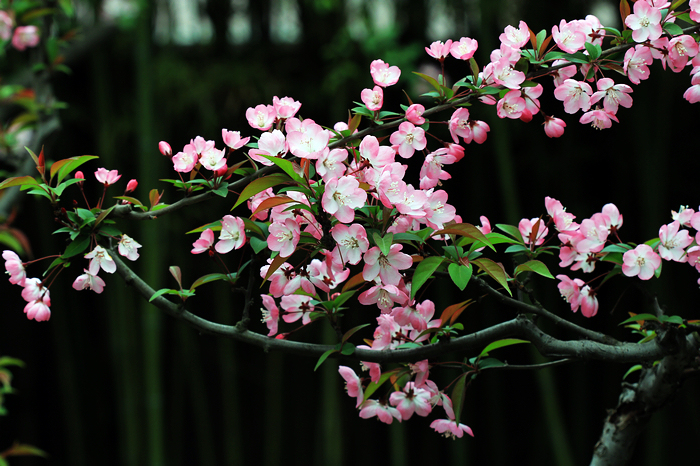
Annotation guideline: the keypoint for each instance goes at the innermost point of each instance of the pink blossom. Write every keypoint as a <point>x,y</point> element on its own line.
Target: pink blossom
<point>439,50</point>
<point>479,130</point>
<point>5,25</point>
<point>128,247</point>
<point>212,158</point>
<point>297,307</point>
<point>612,95</point>
<point>261,117</point>
<point>286,107</point>
<point>232,234</point>
<point>505,75</point>
<point>450,428</point>
<point>642,261</point>
<point>569,36</point>
<point>352,242</point>
<point>326,274</point>
<point>515,38</point>
<point>571,290</point>
<point>233,139</point>
<point>589,302</point>
<point>673,242</point>
<point>204,243</point>
<point>384,296</point>
<point>284,237</point>
<point>383,74</point>
<point>39,309</point>
<point>25,36</point>
<point>694,10</point>
<point>353,384</point>
<point>186,160</point>
<point>511,105</point>
<point>416,315</point>
<point>309,141</point>
<point>131,186</point>
<point>692,94</point>
<point>411,400</point>
<point>271,144</point>
<point>576,95</point>
<point>414,114</point>
<point>270,314</point>
<point>100,258</point>
<point>409,139</point>
<point>386,267</point>
<point>342,196</point>
<point>553,127</point>
<point>378,156</point>
<point>599,119</point>
<point>563,220</point>
<point>437,210</point>
<point>384,413</point>
<point>464,49</point>
<point>680,50</point>
<point>373,98</point>
<point>533,230</point>
<point>107,177</point>
<point>89,281</point>
<point>431,171</point>
<point>459,125</point>
<point>330,164</point>
<point>14,267</point>
<point>636,63</point>
<point>645,22</point>
<point>165,149</point>
<point>562,74</point>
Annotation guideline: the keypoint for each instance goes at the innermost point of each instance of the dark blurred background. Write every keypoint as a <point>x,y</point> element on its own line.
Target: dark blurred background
<point>110,380</point>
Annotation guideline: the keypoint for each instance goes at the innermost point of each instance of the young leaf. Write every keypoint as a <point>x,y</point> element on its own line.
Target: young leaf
<point>432,81</point>
<point>423,272</point>
<point>458,393</point>
<point>259,185</point>
<point>460,274</point>
<point>512,231</point>
<point>373,386</point>
<point>19,181</point>
<point>501,344</point>
<point>534,266</point>
<point>323,357</point>
<point>494,270</point>
<point>286,165</point>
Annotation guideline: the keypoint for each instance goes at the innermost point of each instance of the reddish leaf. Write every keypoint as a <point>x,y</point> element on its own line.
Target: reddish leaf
<point>624,12</point>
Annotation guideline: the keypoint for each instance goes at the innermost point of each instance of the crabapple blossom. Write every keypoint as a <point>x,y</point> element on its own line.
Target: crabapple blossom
<point>233,139</point>
<point>89,281</point>
<point>352,242</point>
<point>270,314</point>
<point>642,261</point>
<point>25,36</point>
<point>373,98</point>
<point>286,107</point>
<point>5,25</point>
<point>342,196</point>
<point>378,156</point>
<point>409,139</point>
<point>204,243</point>
<point>515,38</point>
<point>386,267</point>
<point>261,117</point>
<point>107,177</point>
<point>571,290</point>
<point>14,267</point>
<point>186,160</point>
<point>297,307</point>
<point>680,50</point>
<point>612,95</point>
<point>576,95</point>
<point>410,400</point>
<point>212,158</point>
<point>310,142</point>
<point>645,22</point>
<point>562,74</point>
<point>384,413</point>
<point>694,10</point>
<point>39,309</point>
<point>353,384</point>
<point>450,428</point>
<point>131,186</point>
<point>414,114</point>
<point>100,258</point>
<point>459,125</point>
<point>416,315</point>
<point>511,105</point>
<point>464,48</point>
<point>165,149</point>
<point>479,130</point>
<point>569,37</point>
<point>589,302</point>
<point>330,164</point>
<point>384,296</point>
<point>439,50</point>
<point>533,230</point>
<point>673,242</point>
<point>284,237</point>
<point>232,234</point>
<point>636,63</point>
<point>505,75</point>
<point>383,74</point>
<point>599,119</point>
<point>553,127</point>
<point>431,172</point>
<point>437,210</point>
<point>128,247</point>
<point>563,220</point>
<point>272,144</point>
<point>326,275</point>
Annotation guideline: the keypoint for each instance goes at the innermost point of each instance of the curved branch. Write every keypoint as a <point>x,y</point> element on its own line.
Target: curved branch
<point>521,326</point>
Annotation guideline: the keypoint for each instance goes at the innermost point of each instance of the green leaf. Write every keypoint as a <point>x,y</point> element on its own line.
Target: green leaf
<point>487,363</point>
<point>340,300</point>
<point>638,367</point>
<point>516,248</point>
<point>423,272</point>
<point>161,292</point>
<point>257,244</point>
<point>678,320</point>
<point>638,317</point>
<point>534,266</point>
<point>594,51</point>
<point>348,349</point>
<point>432,81</point>
<point>78,245</point>
<point>63,168</point>
<point>458,394</point>
<point>287,166</point>
<point>577,57</point>
<point>259,185</point>
<point>211,278</point>
<point>8,361</point>
<point>621,248</point>
<point>373,386</point>
<point>488,90</point>
<point>324,356</point>
<point>384,242</point>
<point>350,332</point>
<point>501,344</point>
<point>494,270</point>
<point>512,231</point>
<point>222,190</point>
<point>460,274</point>
<point>672,29</point>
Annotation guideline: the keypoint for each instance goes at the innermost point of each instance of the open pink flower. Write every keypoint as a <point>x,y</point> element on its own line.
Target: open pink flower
<point>673,242</point>
<point>569,36</point>
<point>232,234</point>
<point>25,36</point>
<point>612,94</point>
<point>641,261</point>
<point>373,98</point>
<point>88,281</point>
<point>286,107</point>
<point>284,237</point>
<point>515,38</point>
<point>39,309</point>
<point>411,400</point>
<point>353,384</point>
<point>297,307</point>
<point>450,428</point>
<point>352,242</point>
<point>14,267</point>
<point>233,139</point>
<point>204,243</point>
<point>439,50</point>
<point>270,313</point>
<point>107,177</point>
<point>464,49</point>
<point>645,22</point>
<point>261,117</point>
<point>599,119</point>
<point>384,413</point>
<point>342,196</point>
<point>576,95</point>
<point>409,139</point>
<point>100,258</point>
<point>383,74</point>
<point>511,105</point>
<point>386,267</point>
<point>128,248</point>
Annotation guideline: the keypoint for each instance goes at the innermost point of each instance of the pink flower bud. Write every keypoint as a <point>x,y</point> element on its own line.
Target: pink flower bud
<point>165,149</point>
<point>131,186</point>
<point>553,127</point>
<point>80,176</point>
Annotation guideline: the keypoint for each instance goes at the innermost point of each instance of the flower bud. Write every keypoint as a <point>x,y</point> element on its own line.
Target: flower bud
<point>131,186</point>
<point>165,149</point>
<point>80,176</point>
